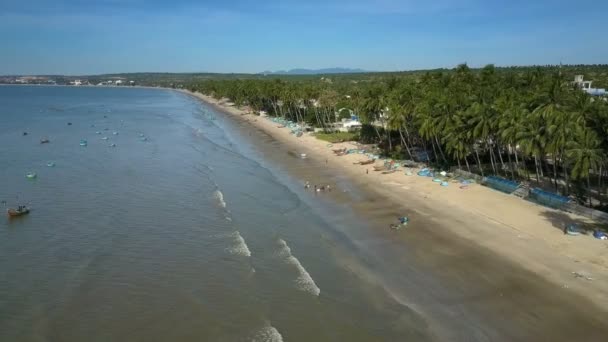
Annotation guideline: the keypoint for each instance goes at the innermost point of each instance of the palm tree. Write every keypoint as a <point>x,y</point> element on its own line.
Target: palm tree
<point>586,154</point>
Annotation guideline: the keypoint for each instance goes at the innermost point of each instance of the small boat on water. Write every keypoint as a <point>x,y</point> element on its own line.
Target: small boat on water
<point>98,132</point>
<point>104,138</point>
<point>112,145</point>
<point>143,139</point>
<point>44,141</point>
<point>50,164</point>
<point>141,135</point>
<point>31,175</point>
<point>24,133</point>
<point>83,142</point>
<point>114,133</point>
<point>20,211</point>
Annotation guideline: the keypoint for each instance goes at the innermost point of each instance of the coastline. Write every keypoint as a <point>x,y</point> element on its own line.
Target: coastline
<point>478,222</point>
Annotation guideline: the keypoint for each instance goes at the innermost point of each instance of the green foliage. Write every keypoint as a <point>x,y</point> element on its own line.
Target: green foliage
<point>338,137</point>
<point>496,120</point>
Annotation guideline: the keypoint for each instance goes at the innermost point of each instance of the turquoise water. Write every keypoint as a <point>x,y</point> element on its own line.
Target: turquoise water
<point>186,236</point>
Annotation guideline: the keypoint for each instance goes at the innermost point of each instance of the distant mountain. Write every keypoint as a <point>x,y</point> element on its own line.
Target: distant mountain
<point>315,71</point>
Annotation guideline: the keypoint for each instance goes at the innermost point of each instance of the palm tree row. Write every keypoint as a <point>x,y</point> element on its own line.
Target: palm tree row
<point>488,122</point>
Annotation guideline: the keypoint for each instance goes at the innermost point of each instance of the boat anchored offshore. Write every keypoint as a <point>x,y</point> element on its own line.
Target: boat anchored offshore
<point>31,175</point>
<point>20,211</point>
<point>83,142</point>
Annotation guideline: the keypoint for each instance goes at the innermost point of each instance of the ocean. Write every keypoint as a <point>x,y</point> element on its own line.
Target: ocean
<point>169,225</point>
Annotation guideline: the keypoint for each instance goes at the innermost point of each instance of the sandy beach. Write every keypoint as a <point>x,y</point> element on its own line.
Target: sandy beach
<point>522,231</point>
<point>475,226</point>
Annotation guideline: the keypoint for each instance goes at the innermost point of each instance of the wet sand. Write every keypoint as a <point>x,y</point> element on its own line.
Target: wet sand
<point>507,265</point>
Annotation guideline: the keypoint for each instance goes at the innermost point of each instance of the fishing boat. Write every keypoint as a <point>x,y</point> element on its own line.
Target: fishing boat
<point>44,141</point>
<point>97,132</point>
<point>83,142</point>
<point>367,162</point>
<point>112,145</point>
<point>143,139</point>
<point>31,175</point>
<point>379,168</point>
<point>114,133</point>
<point>50,164</point>
<point>104,138</point>
<point>22,210</point>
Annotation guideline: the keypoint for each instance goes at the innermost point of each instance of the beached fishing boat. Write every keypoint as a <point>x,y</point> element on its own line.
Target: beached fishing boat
<point>367,162</point>
<point>379,168</point>
<point>22,210</point>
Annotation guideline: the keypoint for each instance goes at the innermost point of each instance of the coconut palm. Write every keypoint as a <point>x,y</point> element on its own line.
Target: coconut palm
<point>586,155</point>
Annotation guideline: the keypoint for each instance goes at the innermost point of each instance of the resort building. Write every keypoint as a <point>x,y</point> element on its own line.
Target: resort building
<point>586,86</point>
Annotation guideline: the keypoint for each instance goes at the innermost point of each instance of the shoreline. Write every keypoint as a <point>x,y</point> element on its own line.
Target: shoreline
<point>477,222</point>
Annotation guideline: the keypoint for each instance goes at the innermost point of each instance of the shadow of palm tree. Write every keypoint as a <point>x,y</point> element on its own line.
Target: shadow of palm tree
<point>560,220</point>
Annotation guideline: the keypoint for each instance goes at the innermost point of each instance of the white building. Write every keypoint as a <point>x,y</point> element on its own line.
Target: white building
<point>586,86</point>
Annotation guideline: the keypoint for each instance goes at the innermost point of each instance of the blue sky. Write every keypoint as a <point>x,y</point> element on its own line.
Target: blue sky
<point>101,36</point>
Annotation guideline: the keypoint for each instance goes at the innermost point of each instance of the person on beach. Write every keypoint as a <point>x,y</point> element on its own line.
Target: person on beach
<point>328,188</point>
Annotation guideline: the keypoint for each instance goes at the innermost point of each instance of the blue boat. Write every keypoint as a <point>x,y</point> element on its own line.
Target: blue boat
<point>83,142</point>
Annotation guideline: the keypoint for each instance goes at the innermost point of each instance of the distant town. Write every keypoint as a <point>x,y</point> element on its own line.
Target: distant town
<point>67,80</point>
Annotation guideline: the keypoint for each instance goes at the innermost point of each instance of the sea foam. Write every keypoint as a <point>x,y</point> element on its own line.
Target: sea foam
<point>219,196</point>
<point>239,246</point>
<point>304,281</point>
<point>268,334</point>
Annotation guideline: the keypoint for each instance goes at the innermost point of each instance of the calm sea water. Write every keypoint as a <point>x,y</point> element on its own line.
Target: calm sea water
<point>187,235</point>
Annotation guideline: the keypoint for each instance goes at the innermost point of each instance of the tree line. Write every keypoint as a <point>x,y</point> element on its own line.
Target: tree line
<point>525,124</point>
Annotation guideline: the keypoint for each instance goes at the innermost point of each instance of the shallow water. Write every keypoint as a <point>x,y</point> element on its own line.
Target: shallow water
<point>186,236</point>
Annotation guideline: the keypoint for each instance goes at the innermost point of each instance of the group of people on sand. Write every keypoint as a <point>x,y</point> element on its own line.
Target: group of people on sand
<point>317,188</point>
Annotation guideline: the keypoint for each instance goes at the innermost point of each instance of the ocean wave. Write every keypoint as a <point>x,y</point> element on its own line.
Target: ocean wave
<point>239,246</point>
<point>267,334</point>
<point>304,281</point>
<point>219,196</point>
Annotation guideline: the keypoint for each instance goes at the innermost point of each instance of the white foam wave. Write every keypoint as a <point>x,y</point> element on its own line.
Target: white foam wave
<point>304,281</point>
<point>268,334</point>
<point>219,196</point>
<point>239,246</point>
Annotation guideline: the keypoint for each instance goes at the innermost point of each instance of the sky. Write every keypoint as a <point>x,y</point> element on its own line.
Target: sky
<point>78,37</point>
